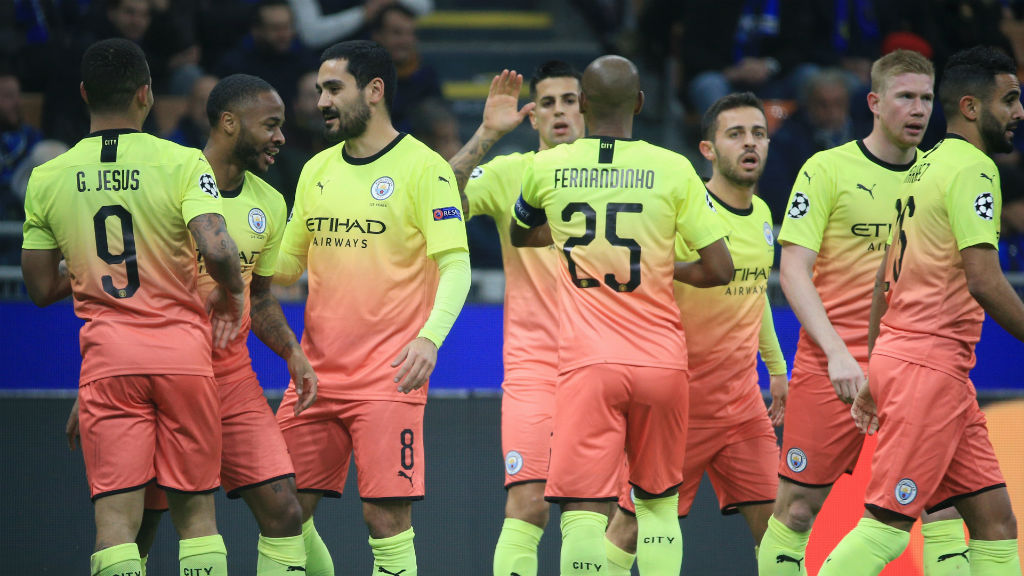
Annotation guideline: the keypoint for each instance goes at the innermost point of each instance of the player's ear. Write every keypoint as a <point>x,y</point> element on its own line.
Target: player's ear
<point>707,150</point>
<point>873,99</point>
<point>583,102</point>
<point>81,90</point>
<point>374,91</point>
<point>970,107</point>
<point>228,123</point>
<point>639,103</point>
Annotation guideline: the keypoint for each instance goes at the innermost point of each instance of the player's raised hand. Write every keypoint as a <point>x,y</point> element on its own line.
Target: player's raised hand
<point>864,411</point>
<point>779,388</point>
<point>304,378</point>
<point>225,310</point>
<point>417,361</point>
<point>501,110</point>
<point>71,428</point>
<point>846,375</point>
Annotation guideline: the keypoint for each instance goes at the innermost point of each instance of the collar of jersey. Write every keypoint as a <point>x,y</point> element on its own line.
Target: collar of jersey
<point>360,161</point>
<point>887,165</point>
<point>111,132</point>
<point>734,210</point>
<point>954,136</point>
<point>599,137</point>
<point>233,193</point>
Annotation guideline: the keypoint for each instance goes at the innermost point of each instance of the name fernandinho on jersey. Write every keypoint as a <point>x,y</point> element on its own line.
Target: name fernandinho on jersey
<point>604,178</point>
<point>110,180</point>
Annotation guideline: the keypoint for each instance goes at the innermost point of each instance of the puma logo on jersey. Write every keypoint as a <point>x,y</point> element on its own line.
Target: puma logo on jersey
<point>295,569</point>
<point>406,476</point>
<point>987,177</point>
<point>784,558</point>
<point>443,179</point>
<point>808,176</point>
<point>870,191</point>
<point>384,570</point>
<point>944,557</point>
<point>321,185</point>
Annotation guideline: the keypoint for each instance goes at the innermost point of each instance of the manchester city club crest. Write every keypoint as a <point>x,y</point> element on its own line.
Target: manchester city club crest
<point>769,235</point>
<point>257,221</point>
<point>513,462</point>
<point>906,491</point>
<point>382,188</point>
<point>796,460</point>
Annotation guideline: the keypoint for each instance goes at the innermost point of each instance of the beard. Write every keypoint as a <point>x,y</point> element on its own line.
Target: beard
<point>731,171</point>
<point>247,152</point>
<point>351,124</point>
<point>993,134</point>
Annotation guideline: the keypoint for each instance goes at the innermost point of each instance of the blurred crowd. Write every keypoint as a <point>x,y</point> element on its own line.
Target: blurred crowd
<point>809,58</point>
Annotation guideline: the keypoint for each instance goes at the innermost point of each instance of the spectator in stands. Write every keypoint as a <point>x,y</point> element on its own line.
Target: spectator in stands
<point>166,36</point>
<point>822,121</point>
<point>433,123</point>
<point>17,139</point>
<point>394,28</point>
<point>194,127</point>
<point>318,26</point>
<point>274,53</point>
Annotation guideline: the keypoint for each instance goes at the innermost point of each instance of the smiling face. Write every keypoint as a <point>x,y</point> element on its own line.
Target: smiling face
<point>740,145</point>
<point>342,103</point>
<point>1000,115</point>
<point>259,137</point>
<point>557,116</point>
<point>904,107</point>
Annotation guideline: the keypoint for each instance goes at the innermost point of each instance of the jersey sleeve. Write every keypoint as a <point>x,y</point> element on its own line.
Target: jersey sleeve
<point>485,188</point>
<point>974,203</point>
<point>36,230</point>
<point>810,204</point>
<point>697,222</point>
<point>200,194</point>
<point>296,237</point>
<point>267,262</point>
<point>438,214</point>
<point>528,211</point>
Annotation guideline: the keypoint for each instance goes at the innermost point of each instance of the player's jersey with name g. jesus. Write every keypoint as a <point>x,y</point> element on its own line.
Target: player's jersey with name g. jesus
<point>842,206</point>
<point>615,207</point>
<point>367,227</point>
<point>255,217</point>
<point>117,206</point>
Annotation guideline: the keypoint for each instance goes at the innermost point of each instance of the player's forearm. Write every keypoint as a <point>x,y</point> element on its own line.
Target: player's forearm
<point>768,343</point>
<point>452,288</point>
<point>220,254</point>
<point>878,304</point>
<point>289,268</point>
<point>268,321</point>
<point>469,157</point>
<point>44,281</point>
<point>714,268</point>
<point>806,303</point>
<point>538,237</point>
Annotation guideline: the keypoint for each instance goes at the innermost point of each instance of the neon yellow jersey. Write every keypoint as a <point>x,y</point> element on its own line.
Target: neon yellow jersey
<point>614,207</point>
<point>367,228</point>
<point>530,332</point>
<point>951,200</point>
<point>724,322</point>
<point>117,206</point>
<point>842,206</point>
<point>255,215</point>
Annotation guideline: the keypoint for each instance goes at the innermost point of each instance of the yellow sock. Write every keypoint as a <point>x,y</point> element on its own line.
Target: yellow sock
<point>583,543</point>
<point>278,556</point>
<point>994,558</point>
<point>205,555</point>
<point>781,552</point>
<point>395,555</point>
<point>144,558</point>
<point>865,550</point>
<point>516,550</point>
<point>659,541</point>
<point>116,560</point>
<point>945,548</point>
<point>318,558</point>
<point>620,562</point>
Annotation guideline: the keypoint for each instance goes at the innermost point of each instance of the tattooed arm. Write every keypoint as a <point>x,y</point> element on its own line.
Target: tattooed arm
<point>220,255</point>
<point>271,327</point>
<point>500,118</point>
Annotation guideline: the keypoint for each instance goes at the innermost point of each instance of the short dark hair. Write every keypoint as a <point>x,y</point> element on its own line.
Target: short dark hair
<point>709,122</point>
<point>112,71</point>
<point>366,60</point>
<point>234,91</point>
<point>972,72</point>
<point>378,20</point>
<point>256,15</point>
<point>552,69</point>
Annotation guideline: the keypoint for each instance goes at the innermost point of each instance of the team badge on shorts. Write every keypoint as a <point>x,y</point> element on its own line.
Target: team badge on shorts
<point>983,205</point>
<point>257,221</point>
<point>906,491</point>
<point>382,188</point>
<point>208,185</point>
<point>513,462</point>
<point>799,206</point>
<point>476,173</point>
<point>769,235</point>
<point>796,460</point>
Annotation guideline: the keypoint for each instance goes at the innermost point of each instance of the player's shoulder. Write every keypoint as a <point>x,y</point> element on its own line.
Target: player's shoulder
<point>263,190</point>
<point>760,208</point>
<point>503,166</point>
<point>414,155</point>
<point>957,155</point>
<point>324,157</point>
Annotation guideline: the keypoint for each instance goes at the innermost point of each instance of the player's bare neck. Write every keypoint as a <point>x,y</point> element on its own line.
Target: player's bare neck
<point>229,174</point>
<point>101,122</point>
<point>735,195</point>
<point>379,133</point>
<point>968,131</point>
<point>884,149</point>
<point>611,127</point>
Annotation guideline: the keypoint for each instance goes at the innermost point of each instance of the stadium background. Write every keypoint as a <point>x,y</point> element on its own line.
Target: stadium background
<point>45,514</point>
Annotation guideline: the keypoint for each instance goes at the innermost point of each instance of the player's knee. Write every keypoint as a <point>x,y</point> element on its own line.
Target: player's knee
<point>799,514</point>
<point>280,518</point>
<point>526,502</point>
<point>387,519</point>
